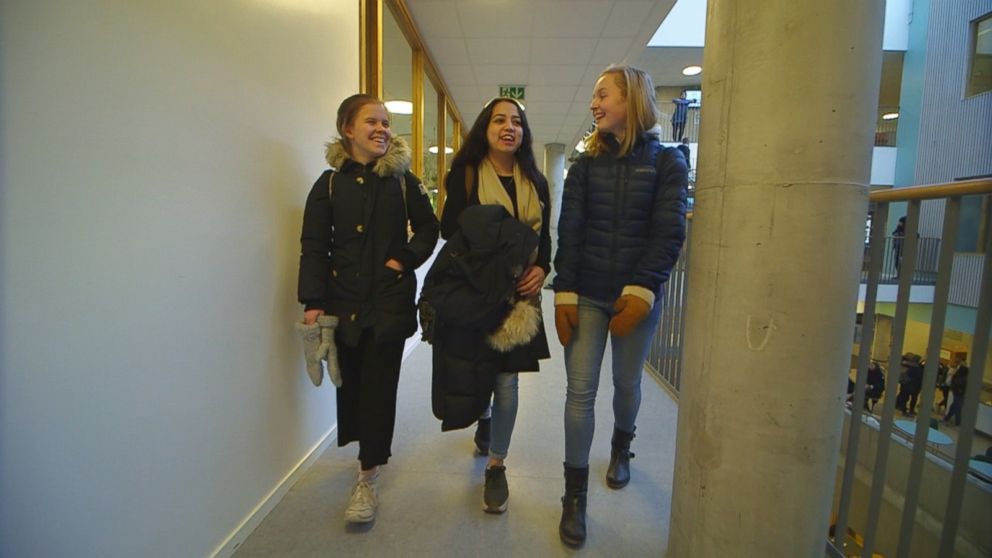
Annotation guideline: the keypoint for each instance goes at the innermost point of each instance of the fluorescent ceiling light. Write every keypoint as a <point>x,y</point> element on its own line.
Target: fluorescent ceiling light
<point>447,150</point>
<point>399,107</point>
<point>581,146</point>
<point>890,116</point>
<point>692,70</point>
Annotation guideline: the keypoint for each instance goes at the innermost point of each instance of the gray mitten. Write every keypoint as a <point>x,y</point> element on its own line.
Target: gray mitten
<point>311,350</point>
<point>328,350</point>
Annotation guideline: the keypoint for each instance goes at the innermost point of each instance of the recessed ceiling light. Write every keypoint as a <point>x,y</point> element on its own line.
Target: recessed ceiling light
<point>399,107</point>
<point>692,70</point>
<point>581,146</point>
<point>447,150</point>
<point>890,116</point>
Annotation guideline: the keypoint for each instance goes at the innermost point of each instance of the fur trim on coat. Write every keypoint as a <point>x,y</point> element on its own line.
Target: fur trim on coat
<point>519,328</point>
<point>396,161</point>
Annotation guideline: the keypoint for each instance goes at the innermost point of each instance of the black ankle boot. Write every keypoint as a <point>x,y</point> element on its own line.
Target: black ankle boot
<point>482,436</point>
<point>618,473</point>
<point>572,528</point>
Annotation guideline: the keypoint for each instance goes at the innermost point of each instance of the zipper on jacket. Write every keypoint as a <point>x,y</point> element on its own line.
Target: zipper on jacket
<point>617,200</point>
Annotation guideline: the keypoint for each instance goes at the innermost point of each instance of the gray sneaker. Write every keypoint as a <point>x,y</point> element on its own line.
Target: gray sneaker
<point>362,504</point>
<point>496,493</point>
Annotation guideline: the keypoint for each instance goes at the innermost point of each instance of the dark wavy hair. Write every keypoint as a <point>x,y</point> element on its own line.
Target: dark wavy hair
<point>476,146</point>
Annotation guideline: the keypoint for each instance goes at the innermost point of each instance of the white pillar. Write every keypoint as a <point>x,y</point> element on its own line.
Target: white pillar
<point>789,98</point>
<point>554,171</point>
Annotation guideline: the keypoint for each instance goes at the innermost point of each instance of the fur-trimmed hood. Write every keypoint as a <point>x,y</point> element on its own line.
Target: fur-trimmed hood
<point>396,161</point>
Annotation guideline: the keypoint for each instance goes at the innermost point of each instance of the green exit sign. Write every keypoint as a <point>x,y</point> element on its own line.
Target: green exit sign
<point>512,91</point>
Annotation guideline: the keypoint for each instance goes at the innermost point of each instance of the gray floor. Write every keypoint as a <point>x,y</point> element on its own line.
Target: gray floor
<point>431,491</point>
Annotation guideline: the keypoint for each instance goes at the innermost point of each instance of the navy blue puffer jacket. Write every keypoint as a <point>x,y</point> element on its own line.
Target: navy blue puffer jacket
<point>622,222</point>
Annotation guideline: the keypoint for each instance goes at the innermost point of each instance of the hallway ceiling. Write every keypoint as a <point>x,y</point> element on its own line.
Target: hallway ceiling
<point>556,48</point>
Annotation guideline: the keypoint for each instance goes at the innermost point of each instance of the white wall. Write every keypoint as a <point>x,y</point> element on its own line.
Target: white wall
<point>883,166</point>
<point>155,160</point>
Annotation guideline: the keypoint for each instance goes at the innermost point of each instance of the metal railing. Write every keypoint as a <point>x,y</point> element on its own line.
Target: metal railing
<point>925,272</point>
<point>879,480</point>
<point>665,355</point>
<point>932,262</point>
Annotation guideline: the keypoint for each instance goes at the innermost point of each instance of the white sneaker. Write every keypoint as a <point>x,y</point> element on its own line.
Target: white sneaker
<point>362,504</point>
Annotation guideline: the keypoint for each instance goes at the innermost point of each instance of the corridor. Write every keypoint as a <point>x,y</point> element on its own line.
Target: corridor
<point>431,491</point>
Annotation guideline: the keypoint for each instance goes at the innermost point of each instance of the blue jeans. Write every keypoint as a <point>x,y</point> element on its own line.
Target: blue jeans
<point>583,362</point>
<point>504,414</point>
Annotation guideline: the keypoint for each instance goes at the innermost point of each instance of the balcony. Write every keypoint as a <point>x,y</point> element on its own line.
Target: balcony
<point>913,487</point>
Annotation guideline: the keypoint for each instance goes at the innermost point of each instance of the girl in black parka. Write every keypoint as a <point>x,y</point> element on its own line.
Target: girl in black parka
<point>357,264</point>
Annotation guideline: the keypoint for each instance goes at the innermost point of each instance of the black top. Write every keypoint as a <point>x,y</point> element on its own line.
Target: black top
<point>456,202</point>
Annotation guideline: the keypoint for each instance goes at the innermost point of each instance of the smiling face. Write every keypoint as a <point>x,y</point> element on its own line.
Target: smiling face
<point>369,134</point>
<point>609,106</point>
<point>506,130</point>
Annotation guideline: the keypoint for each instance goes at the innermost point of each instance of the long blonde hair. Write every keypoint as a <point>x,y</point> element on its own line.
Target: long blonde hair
<point>637,88</point>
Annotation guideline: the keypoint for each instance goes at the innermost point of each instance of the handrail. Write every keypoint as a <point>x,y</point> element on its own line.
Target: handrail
<point>933,191</point>
<point>973,187</point>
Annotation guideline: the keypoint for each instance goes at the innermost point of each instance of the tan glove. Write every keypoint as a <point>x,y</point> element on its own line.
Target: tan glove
<point>631,310</point>
<point>566,320</point>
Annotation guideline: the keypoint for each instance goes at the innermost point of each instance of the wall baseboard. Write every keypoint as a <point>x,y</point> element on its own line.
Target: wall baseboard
<point>272,499</point>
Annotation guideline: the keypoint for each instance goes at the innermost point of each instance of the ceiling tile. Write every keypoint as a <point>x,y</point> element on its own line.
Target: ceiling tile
<point>484,51</point>
<point>435,18</point>
<point>610,51</point>
<point>464,91</point>
<point>591,75</point>
<point>574,18</point>
<point>546,107</point>
<point>557,74</point>
<point>491,19</point>
<point>449,51</point>
<point>581,106</point>
<point>492,76</point>
<point>561,51</point>
<point>550,93</point>
<point>627,18</point>
<point>458,75</point>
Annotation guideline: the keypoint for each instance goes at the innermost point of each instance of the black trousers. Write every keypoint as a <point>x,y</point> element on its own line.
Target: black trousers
<point>370,373</point>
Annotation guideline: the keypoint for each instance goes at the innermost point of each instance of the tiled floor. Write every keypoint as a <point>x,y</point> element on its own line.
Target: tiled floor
<point>431,491</point>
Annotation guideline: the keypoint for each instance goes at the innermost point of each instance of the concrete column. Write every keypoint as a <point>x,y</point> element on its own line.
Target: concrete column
<point>789,97</point>
<point>554,171</point>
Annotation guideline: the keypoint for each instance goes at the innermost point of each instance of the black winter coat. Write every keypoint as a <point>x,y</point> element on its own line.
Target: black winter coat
<point>347,239</point>
<point>456,202</point>
<point>622,221</point>
<point>471,289</point>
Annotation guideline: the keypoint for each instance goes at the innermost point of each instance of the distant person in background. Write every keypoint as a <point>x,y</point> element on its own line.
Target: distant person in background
<point>874,386</point>
<point>942,386</point>
<point>910,384</point>
<point>679,116</point>
<point>958,379</point>
<point>898,234</point>
<point>684,148</point>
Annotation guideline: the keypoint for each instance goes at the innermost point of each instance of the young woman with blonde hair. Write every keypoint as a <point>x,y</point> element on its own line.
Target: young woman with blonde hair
<point>356,273</point>
<point>621,230</point>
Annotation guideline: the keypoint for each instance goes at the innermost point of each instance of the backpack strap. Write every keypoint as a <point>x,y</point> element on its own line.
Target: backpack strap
<point>469,182</point>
